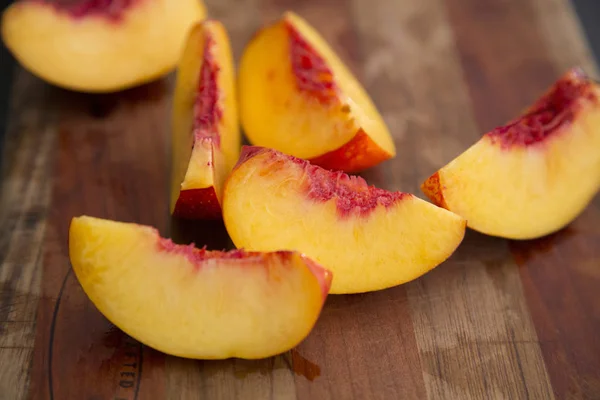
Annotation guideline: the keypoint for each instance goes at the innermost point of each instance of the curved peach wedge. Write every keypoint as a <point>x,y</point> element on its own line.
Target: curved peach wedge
<point>205,133</point>
<point>534,175</point>
<point>369,238</point>
<point>195,303</point>
<point>99,45</point>
<point>298,97</point>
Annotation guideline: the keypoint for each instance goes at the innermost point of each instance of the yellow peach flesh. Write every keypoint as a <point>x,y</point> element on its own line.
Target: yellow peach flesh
<point>202,156</point>
<point>252,306</point>
<point>94,53</point>
<point>275,113</point>
<point>267,206</point>
<point>525,191</point>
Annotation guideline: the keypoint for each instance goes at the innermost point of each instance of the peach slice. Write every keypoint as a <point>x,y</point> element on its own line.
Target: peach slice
<point>206,137</point>
<point>369,238</point>
<point>298,97</point>
<point>534,175</point>
<point>99,45</point>
<point>195,303</point>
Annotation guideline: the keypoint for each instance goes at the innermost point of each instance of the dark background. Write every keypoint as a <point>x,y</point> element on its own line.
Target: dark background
<point>588,11</point>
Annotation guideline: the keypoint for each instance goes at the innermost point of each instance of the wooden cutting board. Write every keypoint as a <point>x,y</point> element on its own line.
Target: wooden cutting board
<point>499,320</point>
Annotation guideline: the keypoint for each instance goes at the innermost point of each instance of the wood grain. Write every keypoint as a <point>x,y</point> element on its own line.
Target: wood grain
<point>336,361</point>
<point>347,343</point>
<point>24,206</point>
<point>559,273</point>
<point>228,379</point>
<point>566,46</point>
<point>498,320</point>
<point>110,162</point>
<point>465,352</point>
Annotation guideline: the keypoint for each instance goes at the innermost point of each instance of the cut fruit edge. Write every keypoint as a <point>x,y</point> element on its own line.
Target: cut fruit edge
<point>535,160</point>
<point>206,116</point>
<point>111,258</point>
<point>252,223</point>
<point>107,35</point>
<point>361,138</point>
